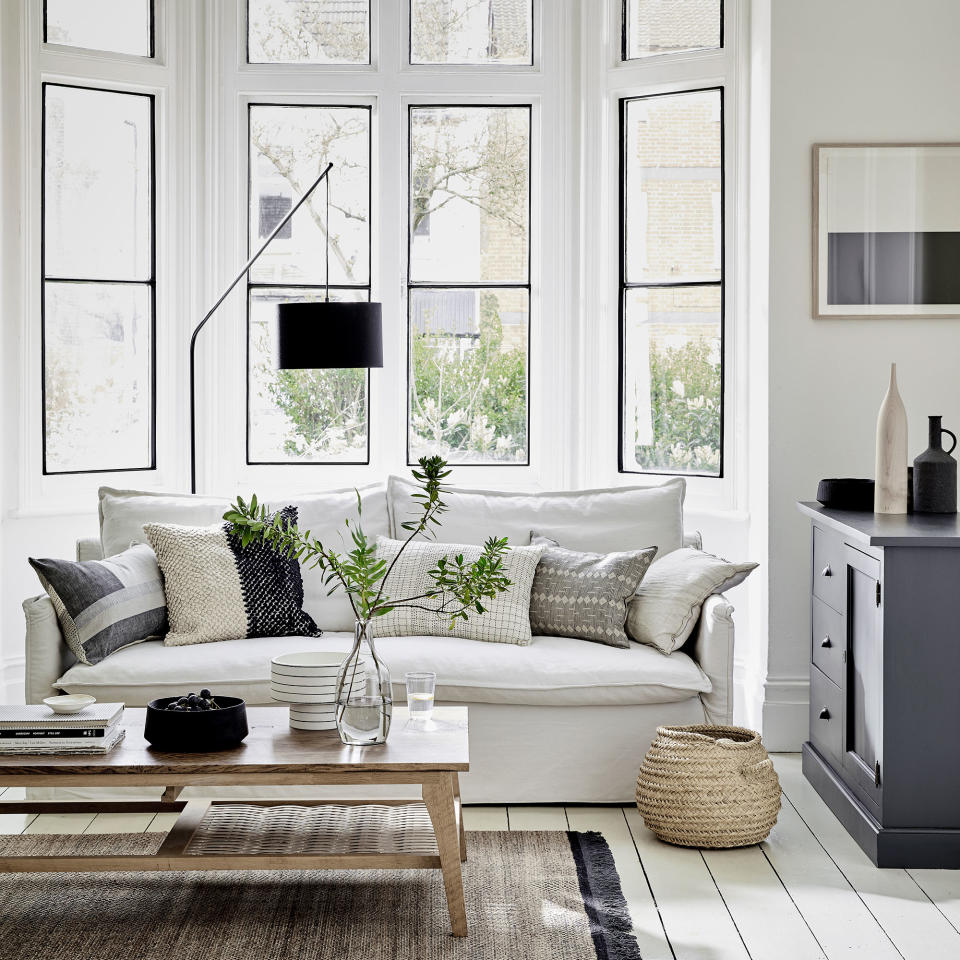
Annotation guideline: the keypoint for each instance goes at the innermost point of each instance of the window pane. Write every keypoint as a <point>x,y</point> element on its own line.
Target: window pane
<point>468,377</point>
<point>301,416</point>
<point>469,203</point>
<point>672,382</point>
<point>308,31</point>
<point>117,26</point>
<point>97,184</point>
<point>471,31</point>
<point>673,224</point>
<point>289,146</point>
<point>671,26</point>
<point>97,377</point>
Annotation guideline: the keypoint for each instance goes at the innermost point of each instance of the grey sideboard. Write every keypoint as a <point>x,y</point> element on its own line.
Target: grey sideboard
<point>884,747</point>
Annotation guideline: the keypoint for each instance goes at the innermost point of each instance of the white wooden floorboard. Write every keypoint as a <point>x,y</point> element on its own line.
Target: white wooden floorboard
<point>120,823</point>
<point>943,888</point>
<point>485,818</point>
<point>917,928</point>
<point>162,823</point>
<point>13,823</point>
<point>647,925</point>
<point>60,823</point>
<point>768,920</point>
<point>537,818</point>
<point>834,911</point>
<point>696,919</point>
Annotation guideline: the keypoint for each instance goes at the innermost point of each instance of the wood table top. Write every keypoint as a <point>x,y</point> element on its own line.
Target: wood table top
<point>271,747</point>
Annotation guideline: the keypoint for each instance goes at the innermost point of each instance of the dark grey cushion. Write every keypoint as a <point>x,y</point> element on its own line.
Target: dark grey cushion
<point>105,605</point>
<point>585,595</point>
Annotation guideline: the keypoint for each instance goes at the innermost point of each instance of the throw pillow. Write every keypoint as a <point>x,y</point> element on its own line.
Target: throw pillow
<point>667,605</point>
<point>220,590</point>
<point>106,605</point>
<point>506,618</point>
<point>585,595</point>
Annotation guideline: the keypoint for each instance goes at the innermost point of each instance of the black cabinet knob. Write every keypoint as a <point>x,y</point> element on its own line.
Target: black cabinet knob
<point>826,642</point>
<point>826,571</point>
<point>824,714</point>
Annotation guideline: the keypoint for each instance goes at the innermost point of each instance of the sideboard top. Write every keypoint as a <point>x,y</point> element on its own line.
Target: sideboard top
<point>889,530</point>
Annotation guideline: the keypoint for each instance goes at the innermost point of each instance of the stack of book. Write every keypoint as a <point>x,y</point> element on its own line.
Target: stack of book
<point>36,729</point>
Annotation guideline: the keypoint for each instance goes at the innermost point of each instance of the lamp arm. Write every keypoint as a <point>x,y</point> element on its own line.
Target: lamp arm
<point>223,296</point>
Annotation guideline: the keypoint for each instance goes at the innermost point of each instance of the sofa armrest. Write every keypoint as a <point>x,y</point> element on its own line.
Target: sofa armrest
<point>88,548</point>
<point>713,650</point>
<point>47,656</point>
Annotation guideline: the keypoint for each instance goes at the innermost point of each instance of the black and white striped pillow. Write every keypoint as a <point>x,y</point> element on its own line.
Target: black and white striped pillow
<point>218,589</point>
<point>106,605</point>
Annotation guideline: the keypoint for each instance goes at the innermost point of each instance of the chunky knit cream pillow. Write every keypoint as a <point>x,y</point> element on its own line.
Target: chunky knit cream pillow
<point>507,616</point>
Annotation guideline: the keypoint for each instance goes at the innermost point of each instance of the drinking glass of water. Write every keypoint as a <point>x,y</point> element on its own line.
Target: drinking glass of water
<point>420,689</point>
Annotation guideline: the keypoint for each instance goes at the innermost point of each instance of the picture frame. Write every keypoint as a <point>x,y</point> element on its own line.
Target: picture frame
<point>886,230</point>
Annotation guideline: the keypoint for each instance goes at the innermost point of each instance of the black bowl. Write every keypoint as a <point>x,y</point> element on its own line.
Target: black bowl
<point>846,493</point>
<point>201,732</point>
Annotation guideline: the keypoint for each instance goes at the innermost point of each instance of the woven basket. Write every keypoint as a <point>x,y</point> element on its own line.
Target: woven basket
<point>708,786</point>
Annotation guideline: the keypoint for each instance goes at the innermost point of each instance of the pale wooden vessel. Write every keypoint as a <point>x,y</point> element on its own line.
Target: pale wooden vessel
<point>890,492</point>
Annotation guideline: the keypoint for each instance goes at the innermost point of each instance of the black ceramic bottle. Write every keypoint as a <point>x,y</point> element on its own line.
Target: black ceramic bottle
<point>935,474</point>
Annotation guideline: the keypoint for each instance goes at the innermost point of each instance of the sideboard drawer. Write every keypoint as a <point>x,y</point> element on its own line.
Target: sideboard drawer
<point>828,641</point>
<point>828,568</point>
<point>826,717</point>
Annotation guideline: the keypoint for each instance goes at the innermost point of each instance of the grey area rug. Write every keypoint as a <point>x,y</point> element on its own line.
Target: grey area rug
<point>529,896</point>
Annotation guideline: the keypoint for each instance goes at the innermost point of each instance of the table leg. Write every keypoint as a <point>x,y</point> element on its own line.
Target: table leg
<point>463,834</point>
<point>439,795</point>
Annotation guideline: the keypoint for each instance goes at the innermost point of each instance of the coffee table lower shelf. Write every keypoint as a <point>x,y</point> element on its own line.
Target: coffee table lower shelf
<point>280,835</point>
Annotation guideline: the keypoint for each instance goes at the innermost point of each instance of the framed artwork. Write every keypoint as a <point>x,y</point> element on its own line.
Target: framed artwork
<point>886,230</point>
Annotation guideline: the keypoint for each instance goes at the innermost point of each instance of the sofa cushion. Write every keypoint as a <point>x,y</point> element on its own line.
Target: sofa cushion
<point>124,512</point>
<point>505,617</point>
<point>597,521</point>
<point>551,670</point>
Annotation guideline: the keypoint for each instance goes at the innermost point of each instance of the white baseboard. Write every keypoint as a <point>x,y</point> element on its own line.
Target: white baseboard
<point>786,712</point>
<point>11,679</point>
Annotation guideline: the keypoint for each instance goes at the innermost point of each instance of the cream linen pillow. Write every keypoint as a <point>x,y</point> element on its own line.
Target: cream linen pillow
<point>666,606</point>
<point>506,618</point>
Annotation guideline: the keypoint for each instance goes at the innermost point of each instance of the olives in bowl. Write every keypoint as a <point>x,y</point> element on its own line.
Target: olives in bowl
<point>196,723</point>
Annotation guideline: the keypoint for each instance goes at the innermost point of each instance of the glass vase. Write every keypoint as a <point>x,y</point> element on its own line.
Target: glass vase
<point>364,694</point>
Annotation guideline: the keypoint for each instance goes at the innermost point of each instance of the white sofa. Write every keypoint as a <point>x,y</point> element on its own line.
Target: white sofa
<point>560,720</point>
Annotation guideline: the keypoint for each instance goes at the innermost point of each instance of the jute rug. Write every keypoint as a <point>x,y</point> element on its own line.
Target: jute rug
<point>530,896</point>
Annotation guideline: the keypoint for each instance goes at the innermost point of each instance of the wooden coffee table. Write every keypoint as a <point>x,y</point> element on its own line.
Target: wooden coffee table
<point>275,834</point>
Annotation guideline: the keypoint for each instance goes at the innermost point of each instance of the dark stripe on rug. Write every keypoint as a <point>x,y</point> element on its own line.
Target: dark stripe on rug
<point>603,900</point>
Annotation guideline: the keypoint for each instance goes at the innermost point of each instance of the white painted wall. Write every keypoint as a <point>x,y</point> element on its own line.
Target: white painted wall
<point>856,70</point>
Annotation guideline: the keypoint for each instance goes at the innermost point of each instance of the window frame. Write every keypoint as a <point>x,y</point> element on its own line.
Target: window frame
<point>151,41</point>
<point>411,285</point>
<point>625,286</point>
<point>625,39</point>
<point>251,286</point>
<point>150,283</point>
<point>487,65</point>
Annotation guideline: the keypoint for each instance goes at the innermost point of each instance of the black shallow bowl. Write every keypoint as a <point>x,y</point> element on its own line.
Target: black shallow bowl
<point>846,493</point>
<point>202,732</point>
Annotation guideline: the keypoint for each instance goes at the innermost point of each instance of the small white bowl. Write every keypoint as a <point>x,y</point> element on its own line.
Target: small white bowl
<point>69,703</point>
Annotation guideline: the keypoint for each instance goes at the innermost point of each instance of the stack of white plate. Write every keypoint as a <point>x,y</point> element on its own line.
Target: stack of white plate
<point>308,682</point>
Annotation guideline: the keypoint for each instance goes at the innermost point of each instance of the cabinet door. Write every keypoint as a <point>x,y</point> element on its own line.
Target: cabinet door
<point>863,678</point>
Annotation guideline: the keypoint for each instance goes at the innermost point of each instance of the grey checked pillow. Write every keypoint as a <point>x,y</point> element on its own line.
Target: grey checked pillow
<point>585,595</point>
<point>218,589</point>
<point>106,605</point>
<point>507,616</point>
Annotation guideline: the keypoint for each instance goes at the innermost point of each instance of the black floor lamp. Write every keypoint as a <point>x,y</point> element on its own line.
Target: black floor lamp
<point>312,336</point>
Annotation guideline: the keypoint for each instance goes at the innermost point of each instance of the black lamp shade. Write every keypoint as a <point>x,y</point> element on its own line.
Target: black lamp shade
<point>320,335</point>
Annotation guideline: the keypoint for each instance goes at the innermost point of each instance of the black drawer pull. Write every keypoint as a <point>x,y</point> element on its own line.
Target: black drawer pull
<point>826,642</point>
<point>824,714</point>
<point>826,571</point>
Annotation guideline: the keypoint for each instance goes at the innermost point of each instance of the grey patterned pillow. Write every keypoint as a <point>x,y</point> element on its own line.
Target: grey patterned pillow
<point>585,595</point>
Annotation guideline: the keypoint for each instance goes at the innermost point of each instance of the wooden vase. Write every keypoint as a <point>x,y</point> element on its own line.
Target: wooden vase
<point>890,493</point>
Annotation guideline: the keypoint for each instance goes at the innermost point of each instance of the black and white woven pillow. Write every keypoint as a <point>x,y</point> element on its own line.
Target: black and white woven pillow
<point>219,590</point>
